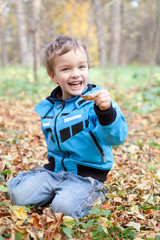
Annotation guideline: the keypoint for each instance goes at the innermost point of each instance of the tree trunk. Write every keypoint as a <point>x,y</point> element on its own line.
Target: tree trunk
<point>156,41</point>
<point>4,57</point>
<point>24,53</point>
<point>99,21</point>
<point>116,31</point>
<point>35,8</point>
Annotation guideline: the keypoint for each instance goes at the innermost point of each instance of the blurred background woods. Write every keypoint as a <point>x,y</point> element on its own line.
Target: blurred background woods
<point>116,32</point>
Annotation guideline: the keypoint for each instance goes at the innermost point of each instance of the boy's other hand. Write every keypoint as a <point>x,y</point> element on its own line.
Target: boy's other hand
<point>102,99</point>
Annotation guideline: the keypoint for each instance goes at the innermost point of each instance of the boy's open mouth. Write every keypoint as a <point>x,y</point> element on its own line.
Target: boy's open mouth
<point>76,83</point>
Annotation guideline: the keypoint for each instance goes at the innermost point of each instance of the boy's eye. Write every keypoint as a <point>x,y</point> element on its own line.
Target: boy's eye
<point>65,69</point>
<point>82,66</point>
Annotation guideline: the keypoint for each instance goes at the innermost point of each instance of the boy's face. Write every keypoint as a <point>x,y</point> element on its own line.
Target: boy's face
<point>71,72</point>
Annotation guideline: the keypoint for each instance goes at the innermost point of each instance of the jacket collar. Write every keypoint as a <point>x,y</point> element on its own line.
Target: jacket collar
<point>47,104</point>
<point>57,91</point>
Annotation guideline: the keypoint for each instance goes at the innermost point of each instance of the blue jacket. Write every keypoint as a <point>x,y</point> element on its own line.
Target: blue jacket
<point>77,133</point>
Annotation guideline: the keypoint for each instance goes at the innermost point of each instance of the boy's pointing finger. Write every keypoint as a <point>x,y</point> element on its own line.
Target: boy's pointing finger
<point>100,93</point>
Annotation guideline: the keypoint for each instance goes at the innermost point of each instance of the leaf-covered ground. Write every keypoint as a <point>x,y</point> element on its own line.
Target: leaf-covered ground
<point>132,206</point>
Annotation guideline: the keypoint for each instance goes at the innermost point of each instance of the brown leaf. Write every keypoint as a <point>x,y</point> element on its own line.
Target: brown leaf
<point>87,235</point>
<point>59,218</point>
<point>3,213</point>
<point>53,232</point>
<point>87,97</point>
<point>117,199</point>
<point>151,212</point>
<point>108,207</point>
<point>36,221</point>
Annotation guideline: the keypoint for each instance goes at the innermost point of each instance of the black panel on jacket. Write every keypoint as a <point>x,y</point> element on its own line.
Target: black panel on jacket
<point>51,165</point>
<point>65,134</point>
<point>100,175</point>
<point>76,128</point>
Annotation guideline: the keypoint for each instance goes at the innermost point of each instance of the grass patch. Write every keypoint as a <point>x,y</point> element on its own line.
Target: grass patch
<point>129,85</point>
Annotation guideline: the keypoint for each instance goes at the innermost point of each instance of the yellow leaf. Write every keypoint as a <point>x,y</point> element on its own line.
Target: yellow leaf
<point>110,195</point>
<point>19,222</point>
<point>20,212</point>
<point>68,220</point>
<point>21,229</point>
<point>134,208</point>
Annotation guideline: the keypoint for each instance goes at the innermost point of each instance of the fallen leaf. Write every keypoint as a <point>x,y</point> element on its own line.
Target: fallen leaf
<point>108,207</point>
<point>2,230</point>
<point>110,195</point>
<point>20,212</point>
<point>140,216</point>
<point>134,208</point>
<point>53,232</point>
<point>21,229</point>
<point>131,197</point>
<point>36,221</point>
<point>117,199</point>
<point>133,148</point>
<point>134,225</point>
<point>87,97</point>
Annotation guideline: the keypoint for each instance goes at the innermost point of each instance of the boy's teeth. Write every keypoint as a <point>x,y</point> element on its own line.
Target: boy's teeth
<point>75,83</point>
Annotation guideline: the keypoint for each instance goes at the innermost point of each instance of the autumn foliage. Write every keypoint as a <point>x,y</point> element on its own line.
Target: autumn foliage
<point>132,206</point>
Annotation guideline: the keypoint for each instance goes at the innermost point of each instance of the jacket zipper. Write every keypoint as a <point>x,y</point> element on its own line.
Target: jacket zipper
<point>55,127</point>
<point>63,165</point>
<point>65,169</point>
<point>57,136</point>
<point>98,146</point>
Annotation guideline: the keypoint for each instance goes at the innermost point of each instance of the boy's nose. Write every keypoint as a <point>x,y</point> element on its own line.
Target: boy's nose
<point>75,74</point>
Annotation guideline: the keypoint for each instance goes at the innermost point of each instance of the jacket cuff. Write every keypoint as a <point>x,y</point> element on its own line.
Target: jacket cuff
<point>105,117</point>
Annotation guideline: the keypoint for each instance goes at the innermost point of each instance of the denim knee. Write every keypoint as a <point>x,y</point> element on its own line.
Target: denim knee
<point>17,197</point>
<point>31,188</point>
<point>60,205</point>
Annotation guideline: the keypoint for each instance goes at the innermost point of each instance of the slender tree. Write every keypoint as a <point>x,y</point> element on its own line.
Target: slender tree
<point>4,57</point>
<point>24,53</point>
<point>116,31</point>
<point>35,8</point>
<point>99,22</point>
<point>156,40</point>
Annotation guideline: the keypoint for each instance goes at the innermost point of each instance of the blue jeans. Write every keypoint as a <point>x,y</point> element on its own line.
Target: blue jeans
<point>68,193</point>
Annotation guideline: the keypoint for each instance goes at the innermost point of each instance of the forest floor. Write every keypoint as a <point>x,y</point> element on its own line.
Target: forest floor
<point>132,206</point>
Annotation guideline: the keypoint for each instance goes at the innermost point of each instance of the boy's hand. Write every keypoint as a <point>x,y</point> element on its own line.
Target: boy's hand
<point>102,99</point>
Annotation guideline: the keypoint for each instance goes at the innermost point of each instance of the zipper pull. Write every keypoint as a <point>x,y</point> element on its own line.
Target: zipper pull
<point>61,105</point>
<point>104,158</point>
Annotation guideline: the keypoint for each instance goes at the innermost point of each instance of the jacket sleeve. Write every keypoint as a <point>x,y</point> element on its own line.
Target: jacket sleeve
<point>111,126</point>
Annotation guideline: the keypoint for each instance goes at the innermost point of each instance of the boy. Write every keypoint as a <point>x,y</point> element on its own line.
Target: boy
<point>79,132</point>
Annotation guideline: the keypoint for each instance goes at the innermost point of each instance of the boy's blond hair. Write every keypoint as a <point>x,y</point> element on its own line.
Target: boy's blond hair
<point>59,46</point>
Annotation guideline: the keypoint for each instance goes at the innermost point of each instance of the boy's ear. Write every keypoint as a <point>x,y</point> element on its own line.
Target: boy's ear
<point>53,78</point>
